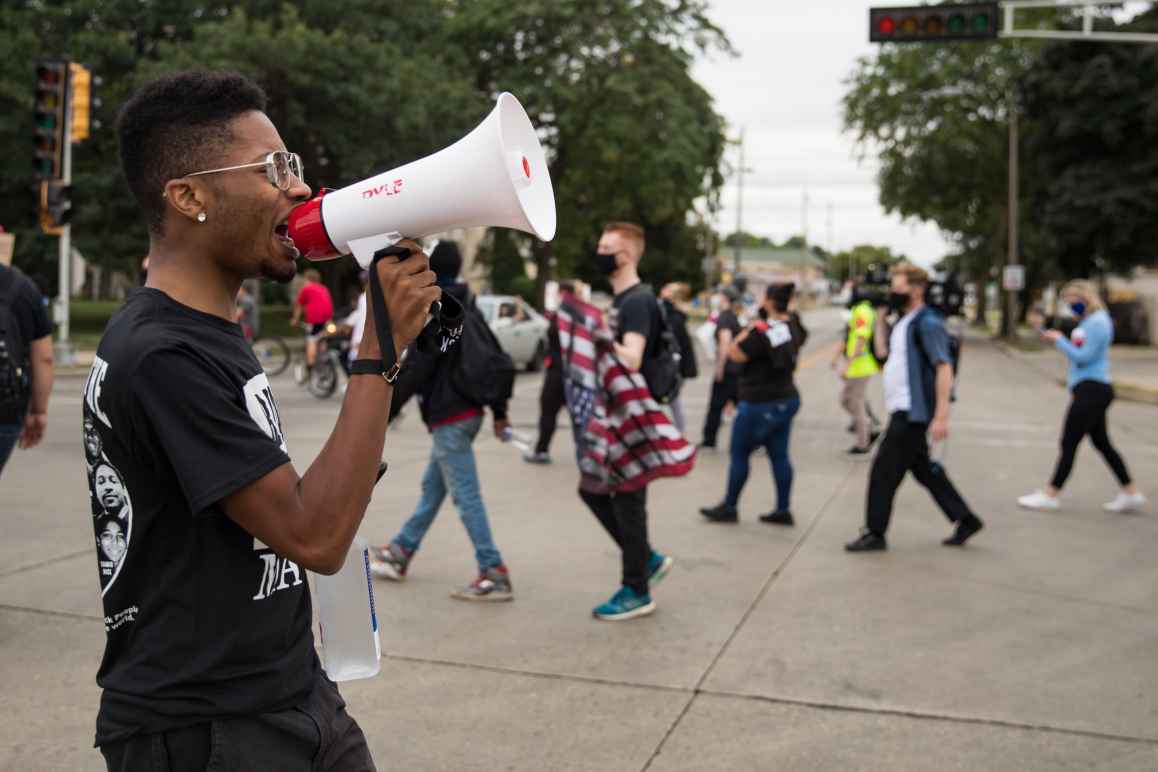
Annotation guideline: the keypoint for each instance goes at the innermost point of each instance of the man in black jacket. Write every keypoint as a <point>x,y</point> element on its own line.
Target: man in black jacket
<point>454,421</point>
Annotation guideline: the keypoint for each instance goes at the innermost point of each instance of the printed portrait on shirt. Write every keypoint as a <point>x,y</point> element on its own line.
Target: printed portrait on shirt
<point>109,490</point>
<point>111,506</point>
<point>111,541</point>
<point>92,442</point>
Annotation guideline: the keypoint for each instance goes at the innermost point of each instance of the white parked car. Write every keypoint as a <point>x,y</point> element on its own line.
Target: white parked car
<point>521,330</point>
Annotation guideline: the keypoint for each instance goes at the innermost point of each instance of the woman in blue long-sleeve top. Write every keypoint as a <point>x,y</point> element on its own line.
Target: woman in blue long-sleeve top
<point>1088,349</point>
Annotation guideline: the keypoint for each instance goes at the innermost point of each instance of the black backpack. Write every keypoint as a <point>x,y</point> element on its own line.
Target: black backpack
<point>13,375</point>
<point>663,371</point>
<point>482,372</point>
<point>678,321</point>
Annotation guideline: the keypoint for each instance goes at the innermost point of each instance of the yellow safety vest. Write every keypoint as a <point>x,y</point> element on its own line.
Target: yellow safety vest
<point>860,327</point>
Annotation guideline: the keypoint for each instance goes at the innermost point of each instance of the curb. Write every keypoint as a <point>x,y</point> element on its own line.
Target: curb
<point>1124,390</point>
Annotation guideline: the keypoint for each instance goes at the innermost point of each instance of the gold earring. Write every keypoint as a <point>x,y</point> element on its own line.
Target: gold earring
<point>202,217</point>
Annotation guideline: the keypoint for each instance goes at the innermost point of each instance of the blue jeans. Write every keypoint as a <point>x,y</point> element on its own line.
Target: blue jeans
<point>9,434</point>
<point>452,470</point>
<point>766,424</point>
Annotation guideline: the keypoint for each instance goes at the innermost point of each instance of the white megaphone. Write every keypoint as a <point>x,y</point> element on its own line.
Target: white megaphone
<point>495,176</point>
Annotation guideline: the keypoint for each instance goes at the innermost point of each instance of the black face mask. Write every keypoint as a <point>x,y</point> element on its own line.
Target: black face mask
<point>899,301</point>
<point>607,263</point>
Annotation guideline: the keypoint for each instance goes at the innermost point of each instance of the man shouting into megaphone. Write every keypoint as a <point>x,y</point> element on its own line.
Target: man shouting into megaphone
<point>207,609</point>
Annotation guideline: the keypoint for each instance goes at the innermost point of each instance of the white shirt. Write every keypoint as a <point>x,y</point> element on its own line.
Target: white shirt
<point>897,396</point>
<point>357,321</point>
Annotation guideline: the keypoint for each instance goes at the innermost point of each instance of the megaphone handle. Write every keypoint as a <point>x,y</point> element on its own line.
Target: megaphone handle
<point>391,360</point>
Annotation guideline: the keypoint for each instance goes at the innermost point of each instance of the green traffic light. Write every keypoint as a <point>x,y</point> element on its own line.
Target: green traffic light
<point>981,22</point>
<point>956,23</point>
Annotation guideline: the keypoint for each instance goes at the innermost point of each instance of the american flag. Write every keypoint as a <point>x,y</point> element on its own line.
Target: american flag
<point>624,440</point>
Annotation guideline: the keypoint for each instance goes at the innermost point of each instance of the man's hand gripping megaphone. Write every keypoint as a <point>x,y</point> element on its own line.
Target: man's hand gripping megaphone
<point>406,306</point>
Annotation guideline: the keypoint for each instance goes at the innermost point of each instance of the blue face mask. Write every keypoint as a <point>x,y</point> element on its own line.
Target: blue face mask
<point>1078,307</point>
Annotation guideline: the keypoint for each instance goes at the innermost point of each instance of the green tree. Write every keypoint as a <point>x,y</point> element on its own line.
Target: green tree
<point>937,116</point>
<point>1094,148</point>
<point>629,134</point>
<point>358,86</point>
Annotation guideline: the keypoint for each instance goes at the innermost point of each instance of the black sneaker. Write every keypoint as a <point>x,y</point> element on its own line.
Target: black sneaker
<point>780,517</point>
<point>857,452</point>
<point>867,542</point>
<point>706,446</point>
<point>720,514</point>
<point>965,529</point>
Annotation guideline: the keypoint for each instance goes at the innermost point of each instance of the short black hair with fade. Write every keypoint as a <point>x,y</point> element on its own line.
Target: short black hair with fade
<point>174,126</point>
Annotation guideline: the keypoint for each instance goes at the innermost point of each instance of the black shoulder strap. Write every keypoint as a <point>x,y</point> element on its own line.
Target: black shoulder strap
<point>390,357</point>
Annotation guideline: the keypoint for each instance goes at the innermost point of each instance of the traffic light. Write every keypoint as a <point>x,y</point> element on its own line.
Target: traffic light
<point>82,90</point>
<point>933,23</point>
<point>55,205</point>
<point>51,99</point>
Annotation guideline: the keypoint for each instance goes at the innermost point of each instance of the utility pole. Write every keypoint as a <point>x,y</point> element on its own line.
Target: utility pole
<point>739,209</point>
<point>804,219</point>
<point>64,353</point>
<point>1013,260</point>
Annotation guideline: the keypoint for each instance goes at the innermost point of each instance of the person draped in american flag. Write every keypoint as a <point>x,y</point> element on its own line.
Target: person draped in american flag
<point>623,438</point>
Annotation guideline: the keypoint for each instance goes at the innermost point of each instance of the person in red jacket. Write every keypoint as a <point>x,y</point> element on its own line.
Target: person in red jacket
<point>315,303</point>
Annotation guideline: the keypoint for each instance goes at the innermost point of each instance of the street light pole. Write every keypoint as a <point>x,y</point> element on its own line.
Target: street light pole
<point>64,352</point>
<point>739,210</point>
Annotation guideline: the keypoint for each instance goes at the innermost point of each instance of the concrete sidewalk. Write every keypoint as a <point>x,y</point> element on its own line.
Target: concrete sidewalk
<point>772,649</point>
<point>1134,369</point>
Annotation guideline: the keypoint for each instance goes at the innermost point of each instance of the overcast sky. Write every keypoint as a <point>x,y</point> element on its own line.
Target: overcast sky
<point>784,90</point>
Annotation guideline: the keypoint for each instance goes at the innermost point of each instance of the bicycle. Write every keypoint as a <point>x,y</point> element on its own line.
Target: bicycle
<point>273,353</point>
<point>332,360</point>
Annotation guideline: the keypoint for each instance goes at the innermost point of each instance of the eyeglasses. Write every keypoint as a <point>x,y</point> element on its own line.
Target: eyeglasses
<point>281,166</point>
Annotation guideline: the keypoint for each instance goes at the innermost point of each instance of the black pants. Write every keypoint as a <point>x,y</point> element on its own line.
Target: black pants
<point>551,401</point>
<point>905,449</point>
<point>624,515</point>
<point>723,392</point>
<point>317,736</point>
<point>1087,415</point>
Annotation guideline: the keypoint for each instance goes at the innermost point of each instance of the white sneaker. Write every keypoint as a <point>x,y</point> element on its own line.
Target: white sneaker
<point>1038,500</point>
<point>1125,502</point>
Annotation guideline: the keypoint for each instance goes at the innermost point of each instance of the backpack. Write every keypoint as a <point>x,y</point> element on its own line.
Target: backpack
<point>678,322</point>
<point>956,342</point>
<point>663,372</point>
<point>482,372</point>
<point>13,378</point>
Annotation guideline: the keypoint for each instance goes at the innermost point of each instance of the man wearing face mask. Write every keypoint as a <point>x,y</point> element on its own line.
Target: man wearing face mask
<point>918,378</point>
<point>636,326</point>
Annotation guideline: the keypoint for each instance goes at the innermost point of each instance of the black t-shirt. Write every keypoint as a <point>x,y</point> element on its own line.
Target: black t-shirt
<point>636,310</point>
<point>727,320</point>
<point>202,619</point>
<point>32,321</point>
<point>771,348</point>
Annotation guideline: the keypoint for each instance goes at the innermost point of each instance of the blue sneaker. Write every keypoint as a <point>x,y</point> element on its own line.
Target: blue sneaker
<point>657,567</point>
<point>625,604</point>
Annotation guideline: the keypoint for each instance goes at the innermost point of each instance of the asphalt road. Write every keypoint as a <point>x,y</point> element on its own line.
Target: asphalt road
<point>1032,649</point>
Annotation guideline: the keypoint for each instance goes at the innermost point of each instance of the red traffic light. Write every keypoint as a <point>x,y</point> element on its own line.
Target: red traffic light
<point>886,26</point>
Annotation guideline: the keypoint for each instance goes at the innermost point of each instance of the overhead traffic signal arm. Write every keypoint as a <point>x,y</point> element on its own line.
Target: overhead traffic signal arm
<point>987,21</point>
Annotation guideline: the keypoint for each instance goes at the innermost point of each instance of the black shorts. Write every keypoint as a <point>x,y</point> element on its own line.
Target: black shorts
<point>317,735</point>
<point>316,331</point>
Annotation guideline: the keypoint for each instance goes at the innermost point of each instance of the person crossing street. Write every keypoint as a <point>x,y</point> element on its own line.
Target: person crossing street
<point>856,363</point>
<point>918,383</point>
